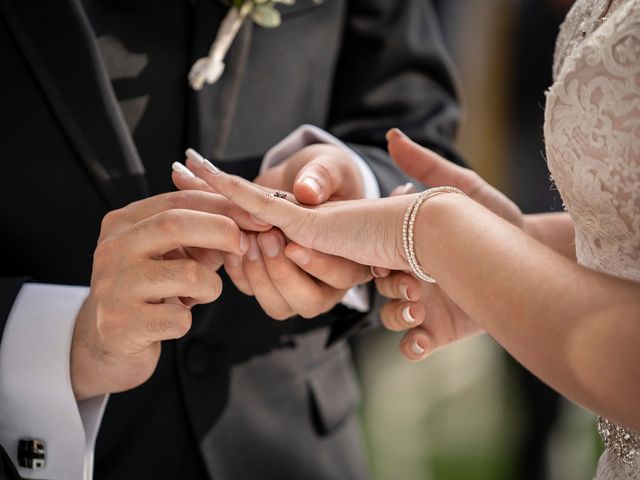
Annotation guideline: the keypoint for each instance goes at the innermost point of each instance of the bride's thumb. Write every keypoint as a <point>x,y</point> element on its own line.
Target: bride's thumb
<point>421,163</point>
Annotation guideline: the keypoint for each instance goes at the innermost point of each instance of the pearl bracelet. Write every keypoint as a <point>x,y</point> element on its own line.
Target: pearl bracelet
<point>408,234</point>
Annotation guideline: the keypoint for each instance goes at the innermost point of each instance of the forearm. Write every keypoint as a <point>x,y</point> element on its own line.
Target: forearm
<point>555,230</point>
<point>576,329</point>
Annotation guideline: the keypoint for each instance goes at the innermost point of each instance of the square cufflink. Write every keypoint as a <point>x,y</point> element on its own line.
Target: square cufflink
<point>31,453</point>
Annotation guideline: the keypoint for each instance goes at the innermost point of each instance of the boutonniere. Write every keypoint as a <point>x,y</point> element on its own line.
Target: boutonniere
<point>263,12</point>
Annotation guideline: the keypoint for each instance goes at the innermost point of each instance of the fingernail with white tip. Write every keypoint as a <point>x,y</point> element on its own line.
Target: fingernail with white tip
<point>407,317</point>
<point>416,348</point>
<point>194,156</point>
<point>182,170</point>
<point>404,288</point>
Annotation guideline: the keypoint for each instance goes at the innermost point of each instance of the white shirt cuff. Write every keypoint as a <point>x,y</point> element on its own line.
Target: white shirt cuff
<point>357,298</point>
<point>36,396</point>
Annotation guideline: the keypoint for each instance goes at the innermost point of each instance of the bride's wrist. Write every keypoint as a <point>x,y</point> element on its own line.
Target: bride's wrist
<point>424,223</point>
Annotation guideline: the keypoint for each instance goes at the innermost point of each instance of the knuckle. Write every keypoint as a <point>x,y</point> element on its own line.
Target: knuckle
<point>182,322</point>
<point>169,222</point>
<point>104,251</point>
<point>192,272</point>
<point>182,199</point>
<point>111,219</point>
<point>279,312</point>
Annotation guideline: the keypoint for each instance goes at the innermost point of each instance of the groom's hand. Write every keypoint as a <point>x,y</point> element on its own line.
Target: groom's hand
<point>143,283</point>
<point>289,280</point>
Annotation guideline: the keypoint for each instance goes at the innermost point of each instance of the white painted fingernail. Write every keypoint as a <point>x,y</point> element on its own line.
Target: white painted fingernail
<point>313,184</point>
<point>182,170</point>
<point>194,156</point>
<point>416,348</point>
<point>210,167</point>
<point>404,288</point>
<point>407,317</point>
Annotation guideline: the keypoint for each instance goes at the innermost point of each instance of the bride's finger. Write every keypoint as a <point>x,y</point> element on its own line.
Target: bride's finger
<point>416,345</point>
<point>267,207</point>
<point>184,179</point>
<point>399,315</point>
<point>427,166</point>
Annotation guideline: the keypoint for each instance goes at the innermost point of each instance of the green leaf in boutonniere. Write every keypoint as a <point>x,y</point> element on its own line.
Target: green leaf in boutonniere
<point>263,12</point>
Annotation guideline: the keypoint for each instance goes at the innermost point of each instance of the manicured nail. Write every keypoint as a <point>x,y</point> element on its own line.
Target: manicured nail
<point>313,184</point>
<point>255,220</point>
<point>233,260</point>
<point>244,242</point>
<point>182,170</point>
<point>300,256</point>
<point>408,188</point>
<point>253,253</point>
<point>407,317</point>
<point>416,348</point>
<point>404,288</point>
<point>200,161</point>
<point>194,156</point>
<point>379,272</point>
<point>395,133</point>
<point>213,170</point>
<point>270,244</point>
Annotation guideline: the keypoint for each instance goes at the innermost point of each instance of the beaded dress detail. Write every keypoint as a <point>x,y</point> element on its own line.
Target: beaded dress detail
<point>592,134</point>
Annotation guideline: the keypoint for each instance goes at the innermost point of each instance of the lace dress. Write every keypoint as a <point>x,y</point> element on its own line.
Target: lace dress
<point>592,134</point>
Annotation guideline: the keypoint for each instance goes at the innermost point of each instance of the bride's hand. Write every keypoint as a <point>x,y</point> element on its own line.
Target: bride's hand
<point>432,319</point>
<point>433,170</point>
<point>365,231</point>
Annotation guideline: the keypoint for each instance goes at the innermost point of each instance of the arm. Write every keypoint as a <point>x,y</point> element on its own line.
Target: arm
<point>555,230</point>
<point>576,329</point>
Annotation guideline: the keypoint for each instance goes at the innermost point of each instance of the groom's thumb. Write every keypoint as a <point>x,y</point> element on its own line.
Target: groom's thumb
<point>317,181</point>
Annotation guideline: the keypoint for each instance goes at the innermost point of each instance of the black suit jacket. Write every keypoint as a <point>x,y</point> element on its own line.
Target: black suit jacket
<point>241,396</point>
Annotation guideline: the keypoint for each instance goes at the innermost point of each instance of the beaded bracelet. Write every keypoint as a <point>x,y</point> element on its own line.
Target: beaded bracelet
<point>407,229</point>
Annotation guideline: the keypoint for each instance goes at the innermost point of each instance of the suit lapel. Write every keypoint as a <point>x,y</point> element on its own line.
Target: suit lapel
<point>58,45</point>
<point>215,105</point>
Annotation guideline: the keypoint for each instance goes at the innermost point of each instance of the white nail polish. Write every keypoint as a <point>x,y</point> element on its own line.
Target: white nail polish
<point>194,156</point>
<point>407,317</point>
<point>210,167</point>
<point>182,170</point>
<point>417,349</point>
<point>404,288</point>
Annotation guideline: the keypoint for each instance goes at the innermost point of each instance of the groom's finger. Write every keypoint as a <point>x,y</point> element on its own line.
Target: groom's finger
<point>328,175</point>
<point>117,221</point>
<point>427,166</point>
<point>266,206</point>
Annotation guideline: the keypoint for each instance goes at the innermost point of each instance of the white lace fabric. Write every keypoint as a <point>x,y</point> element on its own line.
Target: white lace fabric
<point>592,134</point>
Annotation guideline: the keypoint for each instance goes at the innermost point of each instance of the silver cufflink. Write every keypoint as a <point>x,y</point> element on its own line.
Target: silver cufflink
<point>32,453</point>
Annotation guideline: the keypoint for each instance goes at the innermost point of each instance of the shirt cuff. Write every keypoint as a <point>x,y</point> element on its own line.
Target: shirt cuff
<point>306,135</point>
<point>358,297</point>
<point>36,396</point>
